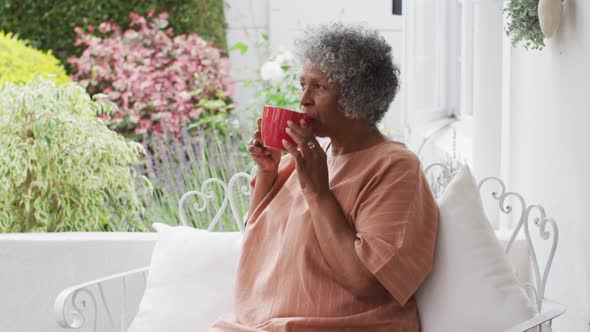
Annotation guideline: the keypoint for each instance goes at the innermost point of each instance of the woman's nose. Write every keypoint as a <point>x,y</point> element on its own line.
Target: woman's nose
<point>305,98</point>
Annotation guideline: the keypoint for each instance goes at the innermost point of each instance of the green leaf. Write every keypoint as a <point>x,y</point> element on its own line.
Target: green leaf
<point>264,36</point>
<point>239,46</point>
<point>275,99</point>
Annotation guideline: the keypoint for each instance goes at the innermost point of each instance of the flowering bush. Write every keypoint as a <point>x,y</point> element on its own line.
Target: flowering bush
<point>279,77</point>
<point>160,81</point>
<point>61,168</point>
<point>277,80</point>
<point>20,63</point>
<point>47,25</point>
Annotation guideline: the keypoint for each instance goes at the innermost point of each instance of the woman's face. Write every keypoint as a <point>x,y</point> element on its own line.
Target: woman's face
<point>319,99</point>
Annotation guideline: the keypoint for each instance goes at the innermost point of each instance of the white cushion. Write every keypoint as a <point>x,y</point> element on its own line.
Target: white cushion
<point>518,256</point>
<point>190,281</point>
<point>472,286</point>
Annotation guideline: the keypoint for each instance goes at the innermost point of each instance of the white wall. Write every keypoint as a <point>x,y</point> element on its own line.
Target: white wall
<point>34,268</point>
<point>549,153</point>
<point>246,21</point>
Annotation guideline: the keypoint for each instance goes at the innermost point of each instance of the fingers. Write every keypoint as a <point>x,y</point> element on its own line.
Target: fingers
<point>303,137</point>
<point>255,147</point>
<point>259,123</point>
<point>292,150</point>
<point>257,137</point>
<point>297,137</point>
<point>305,126</point>
<point>257,151</point>
<point>302,129</point>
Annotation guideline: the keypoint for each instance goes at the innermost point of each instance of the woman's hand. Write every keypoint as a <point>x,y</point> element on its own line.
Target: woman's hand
<point>311,162</point>
<point>267,160</point>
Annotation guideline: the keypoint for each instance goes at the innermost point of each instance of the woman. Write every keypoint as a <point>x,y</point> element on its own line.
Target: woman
<point>340,235</point>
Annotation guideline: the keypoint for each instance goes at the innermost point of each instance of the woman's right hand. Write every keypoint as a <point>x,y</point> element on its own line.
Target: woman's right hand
<point>267,160</point>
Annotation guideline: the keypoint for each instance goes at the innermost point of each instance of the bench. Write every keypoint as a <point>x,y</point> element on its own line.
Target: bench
<point>82,305</point>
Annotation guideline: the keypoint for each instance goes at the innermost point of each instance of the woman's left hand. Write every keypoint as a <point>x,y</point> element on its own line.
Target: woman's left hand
<point>311,162</point>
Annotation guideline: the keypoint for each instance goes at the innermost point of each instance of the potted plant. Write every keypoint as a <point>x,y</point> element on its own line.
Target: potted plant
<point>550,16</point>
<point>523,24</point>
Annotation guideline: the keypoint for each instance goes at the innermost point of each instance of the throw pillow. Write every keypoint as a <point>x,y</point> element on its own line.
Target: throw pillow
<point>472,286</point>
<point>190,281</point>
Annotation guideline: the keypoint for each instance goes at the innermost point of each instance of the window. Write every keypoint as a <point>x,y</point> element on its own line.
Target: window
<point>438,60</point>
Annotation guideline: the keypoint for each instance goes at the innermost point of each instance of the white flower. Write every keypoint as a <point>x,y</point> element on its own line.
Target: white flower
<point>271,71</point>
<point>285,57</point>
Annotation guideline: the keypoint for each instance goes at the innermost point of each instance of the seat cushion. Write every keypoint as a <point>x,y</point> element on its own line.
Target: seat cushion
<point>472,286</point>
<point>190,281</point>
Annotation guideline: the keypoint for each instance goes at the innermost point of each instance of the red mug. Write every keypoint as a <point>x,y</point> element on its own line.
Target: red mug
<point>274,123</point>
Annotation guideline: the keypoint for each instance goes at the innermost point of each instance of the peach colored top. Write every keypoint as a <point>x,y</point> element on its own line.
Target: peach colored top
<point>284,283</point>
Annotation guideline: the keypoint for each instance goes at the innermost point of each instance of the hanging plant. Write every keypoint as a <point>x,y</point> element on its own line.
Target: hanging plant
<point>523,24</point>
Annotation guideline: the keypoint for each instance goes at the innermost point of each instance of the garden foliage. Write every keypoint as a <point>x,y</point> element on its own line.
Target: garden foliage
<point>276,81</point>
<point>20,63</point>
<point>159,81</point>
<point>49,25</point>
<point>61,168</point>
<point>179,165</point>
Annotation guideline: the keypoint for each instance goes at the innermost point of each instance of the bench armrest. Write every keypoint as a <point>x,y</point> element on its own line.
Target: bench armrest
<point>551,310</point>
<point>71,303</point>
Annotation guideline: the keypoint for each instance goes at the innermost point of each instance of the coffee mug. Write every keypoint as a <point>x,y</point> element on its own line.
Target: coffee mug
<point>274,124</point>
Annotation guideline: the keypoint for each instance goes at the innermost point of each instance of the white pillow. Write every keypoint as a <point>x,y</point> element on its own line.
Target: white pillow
<point>190,281</point>
<point>472,285</point>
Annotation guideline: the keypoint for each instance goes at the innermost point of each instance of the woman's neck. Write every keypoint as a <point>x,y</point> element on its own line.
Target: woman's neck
<point>355,138</point>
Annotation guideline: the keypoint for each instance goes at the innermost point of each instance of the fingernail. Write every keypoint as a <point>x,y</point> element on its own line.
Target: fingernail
<point>289,122</point>
<point>285,142</point>
<point>288,130</point>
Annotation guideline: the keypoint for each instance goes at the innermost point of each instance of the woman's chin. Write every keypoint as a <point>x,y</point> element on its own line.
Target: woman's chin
<point>316,130</point>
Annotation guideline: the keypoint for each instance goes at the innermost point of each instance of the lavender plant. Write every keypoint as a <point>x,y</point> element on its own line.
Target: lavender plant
<point>175,166</point>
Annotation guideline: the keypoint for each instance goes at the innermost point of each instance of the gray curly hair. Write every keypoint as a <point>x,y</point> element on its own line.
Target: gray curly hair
<point>356,60</point>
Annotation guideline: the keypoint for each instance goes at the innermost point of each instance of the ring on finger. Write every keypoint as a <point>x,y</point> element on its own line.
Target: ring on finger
<point>310,145</point>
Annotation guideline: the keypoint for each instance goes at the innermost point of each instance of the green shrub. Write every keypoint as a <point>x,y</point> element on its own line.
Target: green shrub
<point>20,63</point>
<point>49,25</point>
<point>61,168</point>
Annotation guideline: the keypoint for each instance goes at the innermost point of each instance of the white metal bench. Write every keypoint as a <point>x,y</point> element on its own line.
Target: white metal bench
<point>82,305</point>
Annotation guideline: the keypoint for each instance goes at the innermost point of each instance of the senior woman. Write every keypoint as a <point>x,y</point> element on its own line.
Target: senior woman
<point>340,234</point>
